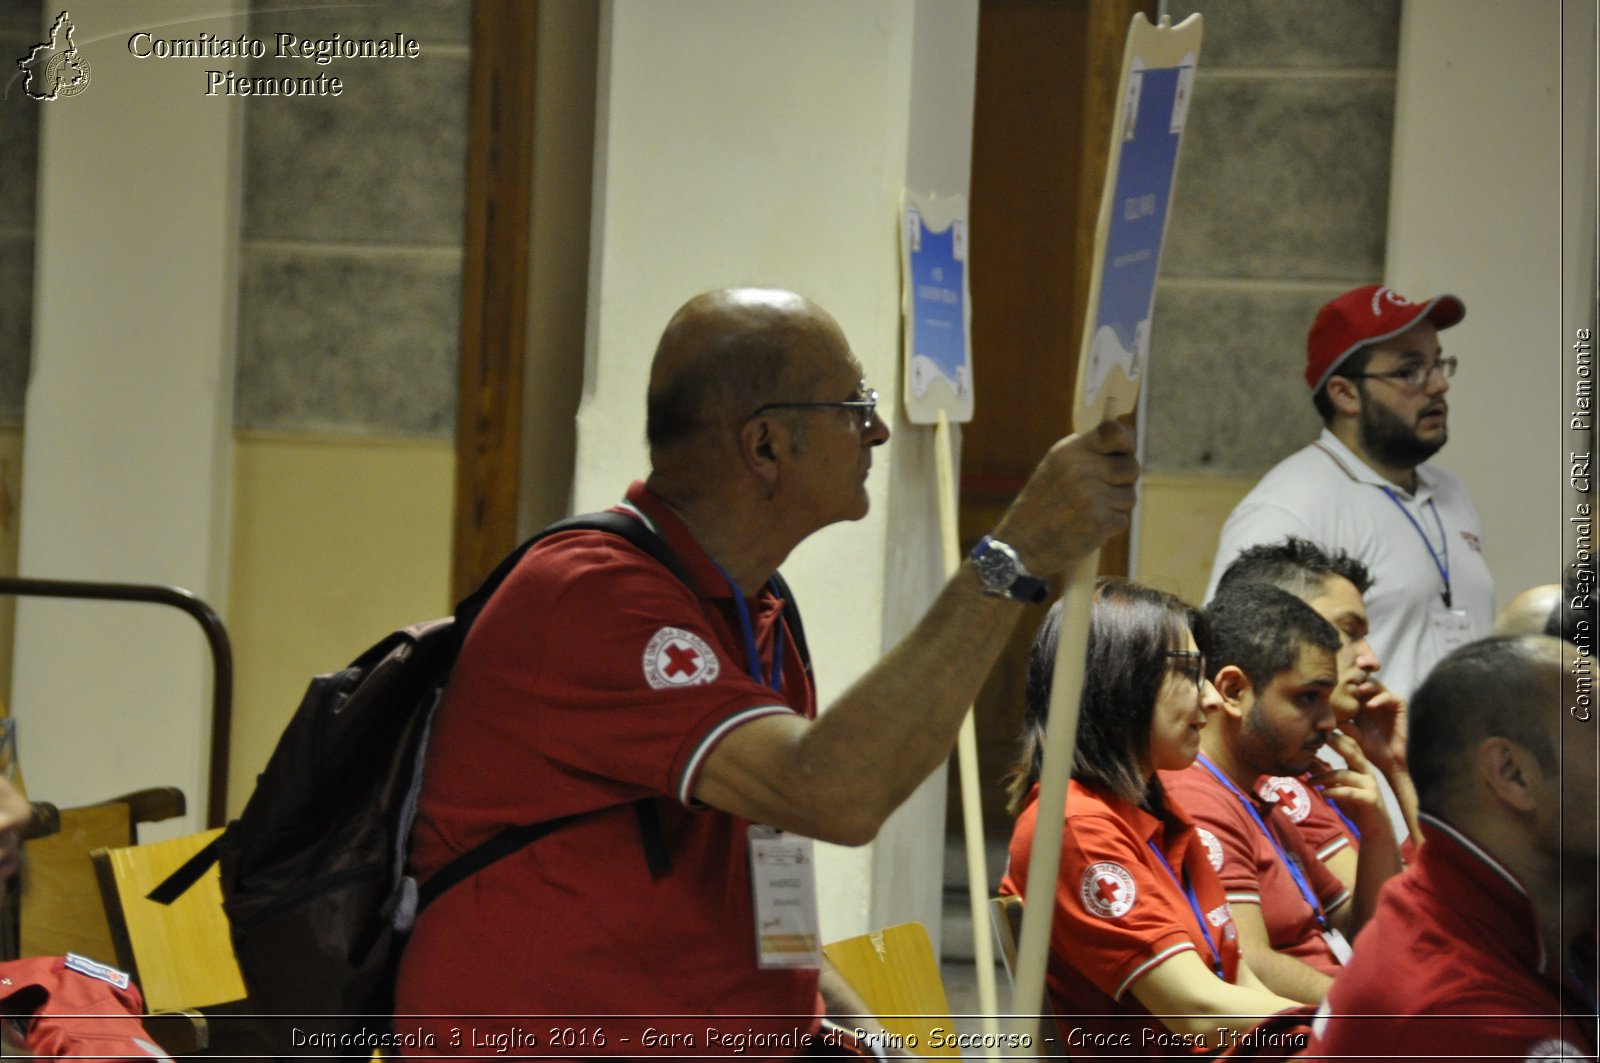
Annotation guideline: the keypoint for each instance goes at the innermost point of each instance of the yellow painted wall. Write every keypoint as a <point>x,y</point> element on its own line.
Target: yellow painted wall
<point>1180,518</point>
<point>335,543</point>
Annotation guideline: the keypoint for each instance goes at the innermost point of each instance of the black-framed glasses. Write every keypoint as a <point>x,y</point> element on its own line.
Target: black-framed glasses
<point>1191,664</point>
<point>865,408</point>
<point>1412,377</point>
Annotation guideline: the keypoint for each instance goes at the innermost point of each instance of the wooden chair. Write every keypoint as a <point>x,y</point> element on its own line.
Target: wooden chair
<point>1005,912</point>
<point>181,955</point>
<point>897,975</point>
<point>60,907</point>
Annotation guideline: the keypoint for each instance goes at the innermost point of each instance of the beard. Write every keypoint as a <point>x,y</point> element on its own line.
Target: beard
<point>1269,752</point>
<point>1387,437</point>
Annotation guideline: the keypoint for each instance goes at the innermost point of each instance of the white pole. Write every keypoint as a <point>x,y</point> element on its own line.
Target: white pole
<point>967,757</point>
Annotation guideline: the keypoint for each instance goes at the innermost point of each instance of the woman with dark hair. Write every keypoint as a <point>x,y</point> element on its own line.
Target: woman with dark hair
<point>1144,956</point>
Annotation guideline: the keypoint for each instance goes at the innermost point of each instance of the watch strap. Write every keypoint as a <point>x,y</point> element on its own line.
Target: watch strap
<point>1023,587</point>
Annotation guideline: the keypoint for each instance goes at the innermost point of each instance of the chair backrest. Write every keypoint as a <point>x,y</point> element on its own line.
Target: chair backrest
<point>897,975</point>
<point>61,910</point>
<point>180,954</point>
<point>1005,912</point>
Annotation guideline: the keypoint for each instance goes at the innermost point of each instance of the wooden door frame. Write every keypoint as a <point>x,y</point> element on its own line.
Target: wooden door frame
<point>494,287</point>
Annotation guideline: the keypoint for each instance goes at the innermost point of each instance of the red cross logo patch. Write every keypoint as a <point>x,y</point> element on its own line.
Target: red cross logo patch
<point>679,658</point>
<point>1107,890</point>
<point>1212,847</point>
<point>1290,794</point>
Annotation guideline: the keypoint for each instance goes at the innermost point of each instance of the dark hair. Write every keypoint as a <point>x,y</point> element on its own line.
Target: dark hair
<point>1296,565</point>
<point>1499,687</point>
<point>1130,631</point>
<point>1350,369</point>
<point>1260,630</point>
<point>1573,616</point>
<point>728,377</point>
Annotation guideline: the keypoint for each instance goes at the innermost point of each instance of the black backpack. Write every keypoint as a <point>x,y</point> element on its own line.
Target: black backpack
<point>313,871</point>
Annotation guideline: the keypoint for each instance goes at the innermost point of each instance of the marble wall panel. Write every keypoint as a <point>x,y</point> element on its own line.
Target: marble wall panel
<point>1283,179</point>
<point>1227,388</point>
<point>384,162</point>
<point>22,25</point>
<point>427,21</point>
<point>1328,33</point>
<point>353,343</point>
<point>16,323</point>
<point>19,132</point>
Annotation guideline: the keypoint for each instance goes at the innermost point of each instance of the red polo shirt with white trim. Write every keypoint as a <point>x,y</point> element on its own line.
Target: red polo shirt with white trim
<point>595,677</point>
<point>1312,811</point>
<point>1120,913</point>
<point>1252,872</point>
<point>1452,966</point>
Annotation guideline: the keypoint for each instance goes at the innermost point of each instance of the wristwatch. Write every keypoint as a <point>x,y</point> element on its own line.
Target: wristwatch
<point>1002,573</point>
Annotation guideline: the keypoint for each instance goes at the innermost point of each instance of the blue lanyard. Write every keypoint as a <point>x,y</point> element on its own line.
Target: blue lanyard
<point>1294,868</point>
<point>1194,906</point>
<point>1351,827</point>
<point>1442,563</point>
<point>751,653</point>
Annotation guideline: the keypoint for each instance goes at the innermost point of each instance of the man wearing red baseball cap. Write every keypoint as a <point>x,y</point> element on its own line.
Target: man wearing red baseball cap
<point>1378,376</point>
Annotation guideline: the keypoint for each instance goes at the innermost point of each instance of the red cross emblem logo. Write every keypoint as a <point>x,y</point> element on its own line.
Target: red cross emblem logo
<point>1290,794</point>
<point>679,658</point>
<point>1107,890</point>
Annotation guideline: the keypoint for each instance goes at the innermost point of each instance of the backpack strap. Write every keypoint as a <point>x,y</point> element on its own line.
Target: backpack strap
<point>791,616</point>
<point>652,836</point>
<point>187,874</point>
<point>618,524</point>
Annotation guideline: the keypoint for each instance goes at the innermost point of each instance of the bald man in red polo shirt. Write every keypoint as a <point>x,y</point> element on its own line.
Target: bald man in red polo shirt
<point>1485,948</point>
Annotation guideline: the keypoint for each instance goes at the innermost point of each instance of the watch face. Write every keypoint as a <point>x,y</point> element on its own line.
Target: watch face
<point>996,568</point>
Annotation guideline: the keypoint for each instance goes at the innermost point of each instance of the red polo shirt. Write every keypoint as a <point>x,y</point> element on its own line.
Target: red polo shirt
<point>1304,804</point>
<point>1119,913</point>
<point>593,678</point>
<point>1452,966</point>
<point>1252,870</point>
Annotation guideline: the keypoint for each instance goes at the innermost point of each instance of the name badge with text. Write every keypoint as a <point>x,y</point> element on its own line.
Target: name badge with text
<point>784,881</point>
<point>1339,944</point>
<point>1452,629</point>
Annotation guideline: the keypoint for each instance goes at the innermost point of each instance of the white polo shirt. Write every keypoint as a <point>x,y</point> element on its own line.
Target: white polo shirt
<point>1326,494</point>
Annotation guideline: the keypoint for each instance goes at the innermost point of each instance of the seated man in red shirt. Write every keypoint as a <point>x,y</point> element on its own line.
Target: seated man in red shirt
<point>1485,947</point>
<point>595,680</point>
<point>1273,665</point>
<point>1333,583</point>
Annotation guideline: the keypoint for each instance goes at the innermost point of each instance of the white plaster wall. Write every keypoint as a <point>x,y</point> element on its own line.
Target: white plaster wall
<point>1476,209</point>
<point>767,142</point>
<point>127,450</point>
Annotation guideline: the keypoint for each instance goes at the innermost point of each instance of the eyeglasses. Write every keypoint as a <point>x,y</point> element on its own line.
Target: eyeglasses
<point>865,408</point>
<point>1412,377</point>
<point>1192,666</point>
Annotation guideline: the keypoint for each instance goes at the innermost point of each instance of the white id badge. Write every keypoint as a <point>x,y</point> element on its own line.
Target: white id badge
<point>1452,629</point>
<point>1339,944</point>
<point>784,881</point>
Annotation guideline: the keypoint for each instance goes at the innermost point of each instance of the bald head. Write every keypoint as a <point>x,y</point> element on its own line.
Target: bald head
<point>727,352</point>
<point>1529,612</point>
<point>1503,687</point>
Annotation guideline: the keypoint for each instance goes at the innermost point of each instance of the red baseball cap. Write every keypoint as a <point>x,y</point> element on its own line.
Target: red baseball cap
<point>1367,315</point>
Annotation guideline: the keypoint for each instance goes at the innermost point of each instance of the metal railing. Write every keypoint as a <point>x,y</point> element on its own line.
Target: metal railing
<point>216,637</point>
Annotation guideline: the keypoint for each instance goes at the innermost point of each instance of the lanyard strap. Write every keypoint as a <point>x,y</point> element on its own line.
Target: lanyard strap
<point>1294,868</point>
<point>1351,827</point>
<point>1441,557</point>
<point>1194,906</point>
<point>751,653</point>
